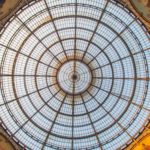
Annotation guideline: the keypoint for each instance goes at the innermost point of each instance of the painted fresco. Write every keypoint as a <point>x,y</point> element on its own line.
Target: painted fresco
<point>6,6</point>
<point>5,144</point>
<point>143,7</point>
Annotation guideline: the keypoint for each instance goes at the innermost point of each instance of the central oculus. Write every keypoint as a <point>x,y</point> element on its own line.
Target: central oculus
<point>74,77</point>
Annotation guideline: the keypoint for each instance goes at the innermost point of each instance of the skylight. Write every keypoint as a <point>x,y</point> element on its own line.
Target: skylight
<point>74,74</point>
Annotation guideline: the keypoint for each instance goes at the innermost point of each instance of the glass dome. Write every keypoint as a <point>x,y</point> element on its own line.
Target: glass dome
<point>74,75</point>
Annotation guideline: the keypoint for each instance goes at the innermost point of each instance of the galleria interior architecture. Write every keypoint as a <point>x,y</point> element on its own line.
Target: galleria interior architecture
<point>74,74</point>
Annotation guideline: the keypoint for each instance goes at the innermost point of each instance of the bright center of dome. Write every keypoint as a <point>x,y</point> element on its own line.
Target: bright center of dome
<point>74,77</point>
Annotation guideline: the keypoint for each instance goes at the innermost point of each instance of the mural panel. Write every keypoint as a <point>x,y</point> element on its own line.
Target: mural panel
<point>143,7</point>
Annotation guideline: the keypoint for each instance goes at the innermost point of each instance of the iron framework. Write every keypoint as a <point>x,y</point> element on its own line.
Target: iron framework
<point>74,74</point>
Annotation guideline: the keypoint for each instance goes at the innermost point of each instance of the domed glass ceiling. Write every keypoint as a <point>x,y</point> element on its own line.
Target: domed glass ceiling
<point>74,74</point>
